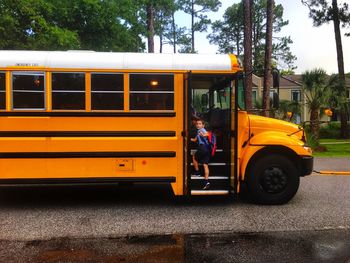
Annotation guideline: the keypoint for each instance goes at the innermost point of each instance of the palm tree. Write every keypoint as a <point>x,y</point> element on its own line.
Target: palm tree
<point>288,106</point>
<point>339,101</point>
<point>316,92</point>
<point>322,12</point>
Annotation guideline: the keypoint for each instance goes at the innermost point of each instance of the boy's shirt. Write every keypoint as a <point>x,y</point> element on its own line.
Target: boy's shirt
<point>202,139</point>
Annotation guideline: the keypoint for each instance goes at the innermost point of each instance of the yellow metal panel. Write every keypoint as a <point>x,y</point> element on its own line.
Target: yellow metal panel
<point>85,168</point>
<point>179,107</point>
<point>246,156</point>
<point>8,91</point>
<point>23,168</point>
<point>88,91</point>
<point>48,91</point>
<point>89,124</point>
<point>63,144</point>
<point>126,92</point>
<point>275,138</point>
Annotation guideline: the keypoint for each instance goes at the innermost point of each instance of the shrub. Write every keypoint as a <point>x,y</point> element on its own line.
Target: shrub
<point>331,130</point>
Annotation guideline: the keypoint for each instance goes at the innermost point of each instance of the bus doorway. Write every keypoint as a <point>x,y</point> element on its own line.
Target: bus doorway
<point>210,99</point>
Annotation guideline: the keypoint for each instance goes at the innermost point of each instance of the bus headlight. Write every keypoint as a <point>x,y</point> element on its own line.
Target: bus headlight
<point>308,149</point>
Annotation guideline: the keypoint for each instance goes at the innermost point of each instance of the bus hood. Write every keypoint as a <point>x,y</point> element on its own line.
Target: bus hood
<point>260,124</point>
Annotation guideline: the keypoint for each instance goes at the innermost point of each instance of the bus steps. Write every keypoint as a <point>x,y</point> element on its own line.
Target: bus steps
<point>215,183</point>
<point>219,181</point>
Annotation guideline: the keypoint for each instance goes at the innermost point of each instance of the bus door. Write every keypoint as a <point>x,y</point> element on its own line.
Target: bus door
<point>210,99</point>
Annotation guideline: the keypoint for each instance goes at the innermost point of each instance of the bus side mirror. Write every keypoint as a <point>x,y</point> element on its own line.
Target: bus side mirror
<point>275,101</point>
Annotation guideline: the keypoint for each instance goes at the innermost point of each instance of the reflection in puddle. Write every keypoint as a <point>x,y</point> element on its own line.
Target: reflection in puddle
<point>131,249</point>
<point>304,246</point>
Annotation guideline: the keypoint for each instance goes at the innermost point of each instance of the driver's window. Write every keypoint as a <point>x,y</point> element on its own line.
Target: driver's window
<point>200,99</point>
<point>222,98</point>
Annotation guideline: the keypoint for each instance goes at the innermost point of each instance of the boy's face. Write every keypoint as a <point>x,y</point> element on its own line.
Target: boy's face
<point>199,125</point>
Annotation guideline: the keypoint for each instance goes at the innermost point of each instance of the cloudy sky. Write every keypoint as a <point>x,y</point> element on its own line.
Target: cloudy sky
<point>313,46</point>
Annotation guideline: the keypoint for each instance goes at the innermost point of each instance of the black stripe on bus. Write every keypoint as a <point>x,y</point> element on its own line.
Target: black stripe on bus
<point>87,133</point>
<point>87,114</point>
<point>94,180</point>
<point>56,155</point>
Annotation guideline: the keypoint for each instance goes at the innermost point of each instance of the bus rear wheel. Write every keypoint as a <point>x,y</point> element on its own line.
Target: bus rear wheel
<point>272,180</point>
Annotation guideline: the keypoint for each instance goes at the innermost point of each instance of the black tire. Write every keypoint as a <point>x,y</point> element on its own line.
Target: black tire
<point>272,180</point>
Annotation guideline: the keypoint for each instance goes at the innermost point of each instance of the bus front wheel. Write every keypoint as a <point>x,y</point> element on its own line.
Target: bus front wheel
<point>272,179</point>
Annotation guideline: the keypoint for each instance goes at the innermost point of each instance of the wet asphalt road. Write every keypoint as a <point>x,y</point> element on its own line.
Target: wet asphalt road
<point>79,220</point>
<point>331,246</point>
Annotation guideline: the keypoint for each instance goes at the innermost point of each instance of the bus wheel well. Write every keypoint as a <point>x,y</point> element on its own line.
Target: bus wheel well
<point>279,150</point>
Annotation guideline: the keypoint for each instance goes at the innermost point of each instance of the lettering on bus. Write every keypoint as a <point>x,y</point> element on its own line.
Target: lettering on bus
<point>27,64</point>
<point>28,90</point>
<point>107,91</point>
<point>68,91</point>
<point>151,92</point>
<point>2,91</point>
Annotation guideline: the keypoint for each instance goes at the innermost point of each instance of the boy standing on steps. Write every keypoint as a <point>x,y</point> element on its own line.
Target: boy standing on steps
<point>203,152</point>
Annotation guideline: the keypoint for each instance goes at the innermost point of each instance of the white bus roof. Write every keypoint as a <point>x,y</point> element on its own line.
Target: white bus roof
<point>123,61</point>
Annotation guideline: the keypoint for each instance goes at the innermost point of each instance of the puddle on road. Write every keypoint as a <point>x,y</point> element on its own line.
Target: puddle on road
<point>305,246</point>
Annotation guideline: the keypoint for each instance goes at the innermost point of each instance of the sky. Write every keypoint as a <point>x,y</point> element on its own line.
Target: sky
<point>314,47</point>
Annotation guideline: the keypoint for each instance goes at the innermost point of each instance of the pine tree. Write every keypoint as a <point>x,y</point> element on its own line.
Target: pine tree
<point>321,13</point>
<point>199,21</point>
<point>247,7</point>
<point>268,52</point>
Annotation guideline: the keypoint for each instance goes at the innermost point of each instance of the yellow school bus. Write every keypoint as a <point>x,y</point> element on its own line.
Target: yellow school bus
<point>92,117</point>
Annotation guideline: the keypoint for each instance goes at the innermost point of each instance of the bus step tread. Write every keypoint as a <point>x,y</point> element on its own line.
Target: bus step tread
<point>213,164</point>
<point>210,177</point>
<point>214,184</point>
<point>209,192</point>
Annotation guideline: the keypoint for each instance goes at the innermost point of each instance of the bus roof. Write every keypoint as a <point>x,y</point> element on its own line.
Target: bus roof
<point>112,60</point>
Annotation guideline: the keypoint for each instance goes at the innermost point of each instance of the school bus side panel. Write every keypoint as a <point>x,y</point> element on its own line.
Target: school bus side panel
<point>129,138</point>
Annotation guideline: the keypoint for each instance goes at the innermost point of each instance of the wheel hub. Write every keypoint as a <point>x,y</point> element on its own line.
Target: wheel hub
<point>273,180</point>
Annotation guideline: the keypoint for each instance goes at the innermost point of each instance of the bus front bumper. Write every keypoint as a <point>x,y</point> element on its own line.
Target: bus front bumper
<point>307,165</point>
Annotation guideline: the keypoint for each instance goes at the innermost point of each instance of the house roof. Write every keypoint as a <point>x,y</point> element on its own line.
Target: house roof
<point>289,81</point>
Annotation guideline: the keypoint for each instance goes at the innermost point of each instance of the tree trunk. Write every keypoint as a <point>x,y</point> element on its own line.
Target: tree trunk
<point>248,80</point>
<point>238,45</point>
<point>150,27</point>
<point>192,26</point>
<point>174,31</point>
<point>314,123</point>
<point>344,133</point>
<point>268,52</point>
<point>161,42</point>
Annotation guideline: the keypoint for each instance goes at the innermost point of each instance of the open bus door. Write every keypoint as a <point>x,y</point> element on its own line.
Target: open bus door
<point>210,97</point>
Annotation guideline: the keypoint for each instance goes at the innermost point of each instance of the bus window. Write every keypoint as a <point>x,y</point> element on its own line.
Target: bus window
<point>107,91</point>
<point>68,91</point>
<point>2,91</point>
<point>151,92</point>
<point>28,90</point>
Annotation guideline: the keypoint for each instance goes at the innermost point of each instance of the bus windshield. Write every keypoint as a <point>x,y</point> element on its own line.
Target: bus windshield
<point>241,94</point>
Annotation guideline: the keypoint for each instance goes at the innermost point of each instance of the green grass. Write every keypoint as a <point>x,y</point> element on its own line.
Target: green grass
<point>335,148</point>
